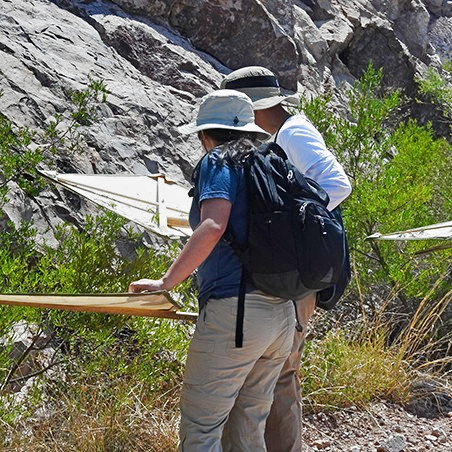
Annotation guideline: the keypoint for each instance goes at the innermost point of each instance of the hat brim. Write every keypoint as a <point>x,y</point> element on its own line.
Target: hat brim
<point>268,102</point>
<point>193,128</point>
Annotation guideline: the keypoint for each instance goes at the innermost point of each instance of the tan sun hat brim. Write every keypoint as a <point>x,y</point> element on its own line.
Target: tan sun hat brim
<point>194,127</point>
<point>268,102</point>
<point>225,109</point>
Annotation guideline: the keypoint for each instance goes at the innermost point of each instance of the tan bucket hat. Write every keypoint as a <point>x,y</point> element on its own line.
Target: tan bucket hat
<point>224,109</point>
<point>261,85</point>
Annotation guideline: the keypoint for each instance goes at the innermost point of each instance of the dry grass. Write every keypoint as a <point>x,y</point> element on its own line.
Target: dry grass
<point>352,368</point>
<point>342,372</point>
<point>89,419</point>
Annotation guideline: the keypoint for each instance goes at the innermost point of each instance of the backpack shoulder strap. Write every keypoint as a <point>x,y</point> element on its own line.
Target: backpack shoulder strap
<point>194,191</point>
<point>272,146</point>
<point>279,128</point>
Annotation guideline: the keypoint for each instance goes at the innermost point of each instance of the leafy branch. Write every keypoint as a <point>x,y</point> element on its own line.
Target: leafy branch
<point>22,150</point>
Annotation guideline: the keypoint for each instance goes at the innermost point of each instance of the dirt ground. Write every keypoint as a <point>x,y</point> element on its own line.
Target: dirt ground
<point>381,427</point>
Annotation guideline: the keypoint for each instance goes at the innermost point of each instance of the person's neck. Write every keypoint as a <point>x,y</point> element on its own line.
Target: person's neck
<point>208,143</point>
<point>274,118</point>
<point>283,116</point>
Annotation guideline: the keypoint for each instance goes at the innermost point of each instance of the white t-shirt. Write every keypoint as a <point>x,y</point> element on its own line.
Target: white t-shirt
<point>306,149</point>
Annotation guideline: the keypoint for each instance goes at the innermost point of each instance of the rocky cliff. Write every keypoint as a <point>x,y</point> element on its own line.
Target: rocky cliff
<point>158,58</point>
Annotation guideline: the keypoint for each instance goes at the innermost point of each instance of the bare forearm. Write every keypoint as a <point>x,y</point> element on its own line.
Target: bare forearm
<point>214,219</point>
<point>196,250</point>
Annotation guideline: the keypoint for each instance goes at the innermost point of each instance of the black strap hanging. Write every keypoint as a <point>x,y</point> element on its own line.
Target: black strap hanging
<point>240,311</point>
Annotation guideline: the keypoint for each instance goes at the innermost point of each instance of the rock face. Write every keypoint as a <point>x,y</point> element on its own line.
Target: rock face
<point>158,58</point>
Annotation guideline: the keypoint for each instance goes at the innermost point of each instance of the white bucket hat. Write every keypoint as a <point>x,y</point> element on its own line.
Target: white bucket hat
<point>261,85</point>
<point>224,109</point>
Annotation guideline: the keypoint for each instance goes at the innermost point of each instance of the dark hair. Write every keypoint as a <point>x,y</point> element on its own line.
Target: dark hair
<point>226,135</point>
<point>233,144</point>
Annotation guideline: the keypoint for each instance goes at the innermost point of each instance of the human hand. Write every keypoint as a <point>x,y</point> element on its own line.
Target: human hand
<point>146,285</point>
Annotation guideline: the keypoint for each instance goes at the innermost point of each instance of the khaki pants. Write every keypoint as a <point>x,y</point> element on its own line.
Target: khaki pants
<point>283,432</point>
<point>222,381</point>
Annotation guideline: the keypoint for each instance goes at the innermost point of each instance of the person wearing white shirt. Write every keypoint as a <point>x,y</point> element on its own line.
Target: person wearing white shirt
<point>306,149</point>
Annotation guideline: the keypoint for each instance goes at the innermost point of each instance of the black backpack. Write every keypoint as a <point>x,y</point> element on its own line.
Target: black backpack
<point>294,244</point>
<point>329,297</point>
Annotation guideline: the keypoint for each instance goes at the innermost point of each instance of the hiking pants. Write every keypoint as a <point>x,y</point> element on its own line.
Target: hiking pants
<point>283,432</point>
<point>220,377</point>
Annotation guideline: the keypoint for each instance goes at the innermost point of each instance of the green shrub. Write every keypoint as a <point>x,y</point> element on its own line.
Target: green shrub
<point>23,150</point>
<point>438,90</point>
<point>400,178</point>
<point>95,348</point>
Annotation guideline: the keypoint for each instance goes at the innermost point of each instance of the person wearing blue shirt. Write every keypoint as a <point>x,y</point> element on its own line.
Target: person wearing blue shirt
<point>220,377</point>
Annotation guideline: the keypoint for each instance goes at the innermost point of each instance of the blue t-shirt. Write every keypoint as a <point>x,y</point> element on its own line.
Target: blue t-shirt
<point>219,275</point>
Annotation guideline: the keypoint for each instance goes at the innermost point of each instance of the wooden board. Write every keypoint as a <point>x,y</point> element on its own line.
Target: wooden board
<point>156,304</point>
